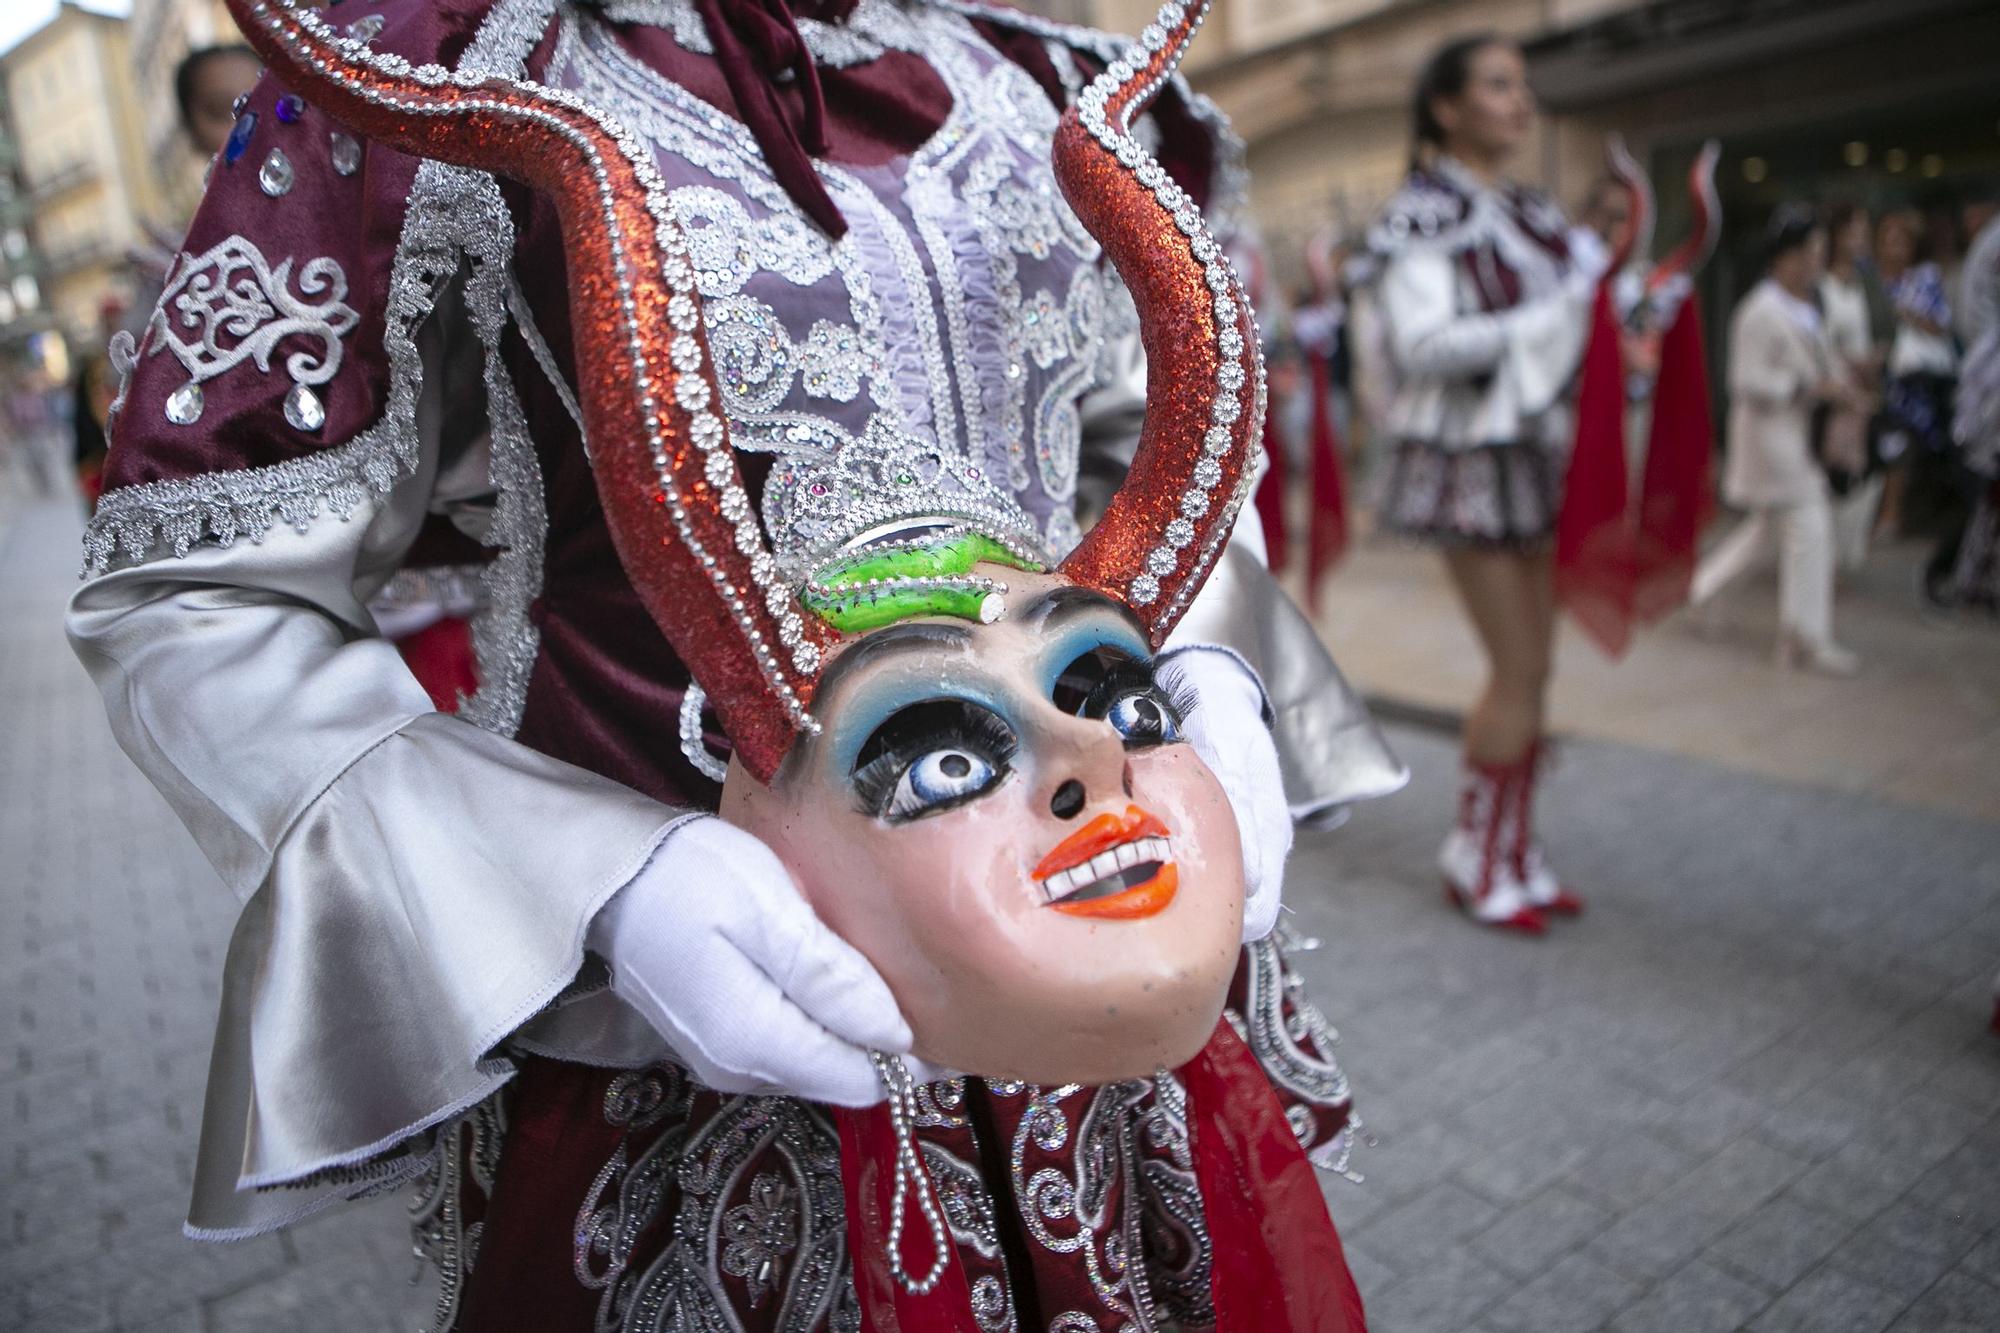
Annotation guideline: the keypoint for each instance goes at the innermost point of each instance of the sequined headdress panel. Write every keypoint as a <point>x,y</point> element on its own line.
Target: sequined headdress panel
<point>685,528</point>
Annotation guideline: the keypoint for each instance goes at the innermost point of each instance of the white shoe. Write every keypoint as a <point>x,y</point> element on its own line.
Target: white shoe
<point>1824,658</point>
<point>1480,882</point>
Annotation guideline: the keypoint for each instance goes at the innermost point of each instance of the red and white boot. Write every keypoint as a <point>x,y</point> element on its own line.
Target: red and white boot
<point>1477,857</point>
<point>1545,892</point>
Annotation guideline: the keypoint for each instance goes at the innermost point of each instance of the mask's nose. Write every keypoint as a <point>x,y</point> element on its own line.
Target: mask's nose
<point>1068,802</point>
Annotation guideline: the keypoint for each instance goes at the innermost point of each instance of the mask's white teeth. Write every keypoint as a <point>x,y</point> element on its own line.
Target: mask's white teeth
<point>1102,864</point>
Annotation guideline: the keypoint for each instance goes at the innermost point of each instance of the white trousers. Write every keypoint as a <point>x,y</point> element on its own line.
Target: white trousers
<point>1803,536</point>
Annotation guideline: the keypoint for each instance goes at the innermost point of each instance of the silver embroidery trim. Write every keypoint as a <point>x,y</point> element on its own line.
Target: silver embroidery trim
<point>1229,190</point>
<point>230,304</point>
<point>468,1151</point>
<point>875,26</point>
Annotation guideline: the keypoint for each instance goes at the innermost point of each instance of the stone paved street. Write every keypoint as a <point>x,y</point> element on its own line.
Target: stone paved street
<point>1752,1088</point>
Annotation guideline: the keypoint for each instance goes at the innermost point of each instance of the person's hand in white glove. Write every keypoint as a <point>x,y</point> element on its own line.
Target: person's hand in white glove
<point>1228,731</point>
<point>1589,256</point>
<point>713,943</point>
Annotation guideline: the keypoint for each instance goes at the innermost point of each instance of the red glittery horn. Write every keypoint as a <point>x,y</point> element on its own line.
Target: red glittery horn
<point>1161,533</point>
<point>673,497</point>
<point>1688,257</point>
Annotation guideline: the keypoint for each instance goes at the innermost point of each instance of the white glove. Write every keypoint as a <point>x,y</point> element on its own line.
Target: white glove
<point>1227,730</point>
<point>1589,256</point>
<point>715,945</point>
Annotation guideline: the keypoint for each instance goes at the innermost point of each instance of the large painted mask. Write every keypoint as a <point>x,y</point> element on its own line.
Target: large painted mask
<point>1004,819</point>
<point>994,807</point>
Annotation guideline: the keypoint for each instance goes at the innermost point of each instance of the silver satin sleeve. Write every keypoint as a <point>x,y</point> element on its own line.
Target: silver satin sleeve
<point>408,901</point>
<point>1330,750</point>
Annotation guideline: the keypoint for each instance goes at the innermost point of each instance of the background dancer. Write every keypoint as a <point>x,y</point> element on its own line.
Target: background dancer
<point>1485,292</point>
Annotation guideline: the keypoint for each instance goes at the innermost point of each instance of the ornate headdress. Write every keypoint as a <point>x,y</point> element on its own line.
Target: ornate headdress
<point>754,615</point>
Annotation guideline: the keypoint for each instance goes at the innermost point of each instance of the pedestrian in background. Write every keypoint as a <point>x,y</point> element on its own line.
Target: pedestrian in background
<point>1485,294</point>
<point>1922,364</point>
<point>1967,574</point>
<point>1859,322</point>
<point>1782,370</point>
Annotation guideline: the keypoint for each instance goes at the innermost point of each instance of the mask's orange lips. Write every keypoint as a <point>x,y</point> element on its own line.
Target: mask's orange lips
<point>1115,868</point>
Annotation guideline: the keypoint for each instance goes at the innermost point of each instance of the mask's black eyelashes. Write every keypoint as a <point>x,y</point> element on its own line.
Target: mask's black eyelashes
<point>1132,700</point>
<point>924,729</point>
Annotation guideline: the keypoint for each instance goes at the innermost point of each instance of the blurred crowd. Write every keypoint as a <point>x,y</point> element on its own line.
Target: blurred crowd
<point>1895,308</point>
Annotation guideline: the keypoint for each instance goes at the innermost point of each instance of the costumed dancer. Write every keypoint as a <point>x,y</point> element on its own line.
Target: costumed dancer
<point>771,358</point>
<point>1484,296</point>
<point>1509,460</point>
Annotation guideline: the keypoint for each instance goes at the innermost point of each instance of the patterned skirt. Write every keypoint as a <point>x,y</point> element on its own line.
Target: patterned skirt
<point>1502,496</point>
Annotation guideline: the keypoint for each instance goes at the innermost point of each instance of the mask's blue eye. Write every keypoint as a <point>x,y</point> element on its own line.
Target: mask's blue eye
<point>1143,719</point>
<point>940,777</point>
<point>931,757</point>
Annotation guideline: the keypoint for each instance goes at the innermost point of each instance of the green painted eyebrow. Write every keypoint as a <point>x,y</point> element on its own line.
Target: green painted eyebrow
<point>926,576</point>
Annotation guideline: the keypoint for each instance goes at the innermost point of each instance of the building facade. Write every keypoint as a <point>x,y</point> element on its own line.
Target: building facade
<point>91,187</point>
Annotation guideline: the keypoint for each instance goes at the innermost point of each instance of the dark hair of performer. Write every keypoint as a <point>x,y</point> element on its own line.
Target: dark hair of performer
<point>207,83</point>
<point>1473,103</point>
<point>1795,248</point>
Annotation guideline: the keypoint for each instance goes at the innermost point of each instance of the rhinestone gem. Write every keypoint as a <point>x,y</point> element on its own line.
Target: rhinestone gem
<point>346,153</point>
<point>1179,533</point>
<point>291,109</point>
<point>303,410</point>
<point>1207,472</point>
<point>1161,560</point>
<point>236,107</point>
<point>275,177</point>
<point>184,405</point>
<point>1145,590</point>
<point>1218,440</point>
<point>239,138</point>
<point>365,29</point>
<point>1194,504</point>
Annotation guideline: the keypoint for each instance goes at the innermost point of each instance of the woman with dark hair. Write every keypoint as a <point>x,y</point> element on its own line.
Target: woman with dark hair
<point>1484,295</point>
<point>1782,370</point>
<point>207,83</point>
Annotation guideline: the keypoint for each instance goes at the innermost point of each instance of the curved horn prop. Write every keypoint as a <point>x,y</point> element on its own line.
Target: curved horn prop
<point>1204,370</point>
<point>1692,253</point>
<point>683,524</point>
<point>1625,169</point>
